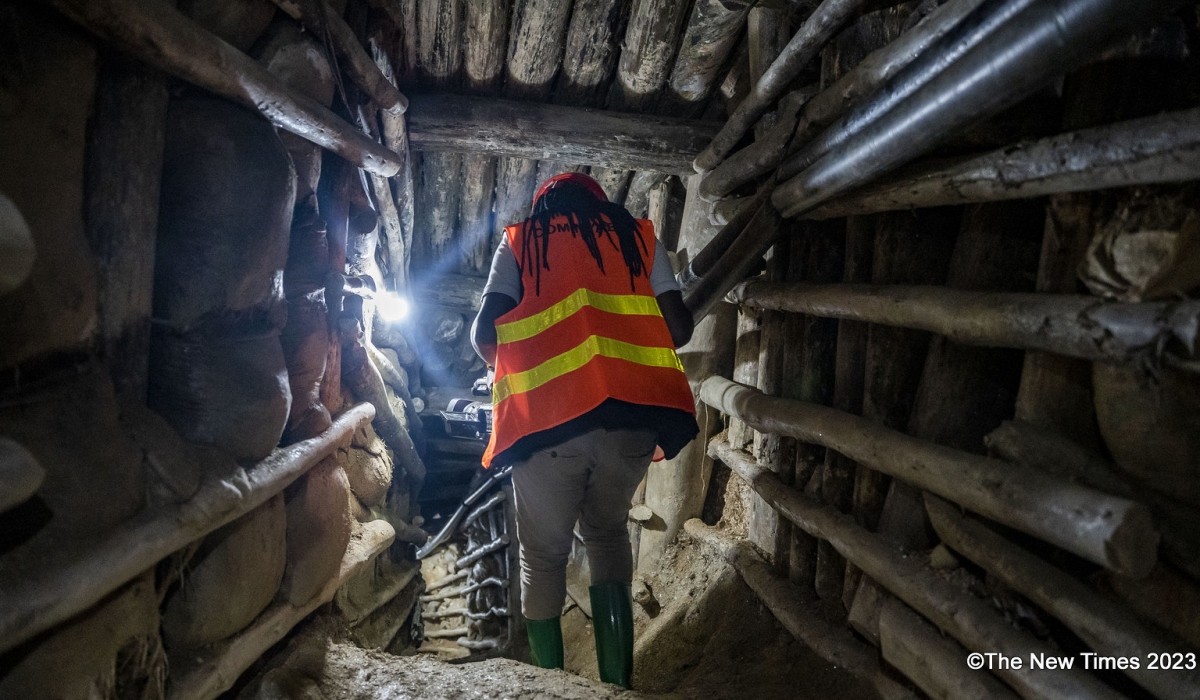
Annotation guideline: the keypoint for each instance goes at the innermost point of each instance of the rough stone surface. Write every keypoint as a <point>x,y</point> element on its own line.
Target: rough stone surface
<point>318,529</point>
<point>232,578</point>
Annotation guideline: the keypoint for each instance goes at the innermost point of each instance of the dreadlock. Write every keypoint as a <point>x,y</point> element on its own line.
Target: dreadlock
<point>587,217</point>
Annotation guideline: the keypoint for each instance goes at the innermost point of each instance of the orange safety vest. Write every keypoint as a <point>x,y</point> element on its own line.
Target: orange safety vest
<point>587,337</point>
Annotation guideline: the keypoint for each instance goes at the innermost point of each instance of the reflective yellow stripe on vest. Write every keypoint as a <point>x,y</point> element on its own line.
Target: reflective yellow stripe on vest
<point>578,356</point>
<point>628,304</point>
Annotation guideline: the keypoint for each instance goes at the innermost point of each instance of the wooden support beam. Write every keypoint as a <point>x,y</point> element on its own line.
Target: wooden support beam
<point>766,529</point>
<point>675,488</point>
<point>807,42</point>
<point>439,43</point>
<point>933,662</point>
<point>1069,324</point>
<point>957,612</point>
<point>535,47</point>
<point>1113,532</point>
<point>1108,629</point>
<point>1049,451</point>
<point>807,622</point>
<point>647,51</point>
<point>467,124</point>
<point>319,19</point>
<point>219,668</point>
<point>590,54</point>
<point>74,578</point>
<point>1158,149</point>
<point>161,36</point>
<point>712,33</point>
<point>485,43</point>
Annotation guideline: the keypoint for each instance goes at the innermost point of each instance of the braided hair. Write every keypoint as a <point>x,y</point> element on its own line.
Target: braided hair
<point>587,217</point>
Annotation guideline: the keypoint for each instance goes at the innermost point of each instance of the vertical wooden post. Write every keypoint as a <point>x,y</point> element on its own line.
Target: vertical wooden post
<point>824,263</point>
<point>850,364</point>
<point>770,532</point>
<point>745,368</point>
<point>121,212</point>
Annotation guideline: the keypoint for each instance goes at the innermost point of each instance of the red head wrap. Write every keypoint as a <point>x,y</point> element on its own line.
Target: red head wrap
<point>578,178</point>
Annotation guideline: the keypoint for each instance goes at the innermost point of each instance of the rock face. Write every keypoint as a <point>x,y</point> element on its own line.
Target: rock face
<point>318,530</point>
<point>232,578</point>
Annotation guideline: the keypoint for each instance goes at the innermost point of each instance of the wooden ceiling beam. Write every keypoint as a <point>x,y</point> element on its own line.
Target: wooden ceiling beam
<point>467,124</point>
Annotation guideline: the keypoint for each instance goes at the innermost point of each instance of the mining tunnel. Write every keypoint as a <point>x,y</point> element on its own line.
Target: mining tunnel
<point>939,256</point>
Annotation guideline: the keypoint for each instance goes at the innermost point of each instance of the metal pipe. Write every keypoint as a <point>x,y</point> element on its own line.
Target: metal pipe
<point>482,552</point>
<point>1045,39</point>
<point>969,31</point>
<point>764,155</point>
<point>488,505</point>
<point>451,525</point>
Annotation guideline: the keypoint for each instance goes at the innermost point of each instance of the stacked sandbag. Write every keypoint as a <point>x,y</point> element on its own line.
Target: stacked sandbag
<point>319,525</point>
<point>208,605</point>
<point>299,60</point>
<point>217,371</point>
<point>306,337</point>
<point>1148,249</point>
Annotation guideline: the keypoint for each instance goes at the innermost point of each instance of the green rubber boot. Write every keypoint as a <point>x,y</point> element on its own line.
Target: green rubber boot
<point>612,617</point>
<point>545,642</point>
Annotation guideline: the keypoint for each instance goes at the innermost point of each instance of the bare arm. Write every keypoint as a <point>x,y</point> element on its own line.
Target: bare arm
<point>677,316</point>
<point>483,330</point>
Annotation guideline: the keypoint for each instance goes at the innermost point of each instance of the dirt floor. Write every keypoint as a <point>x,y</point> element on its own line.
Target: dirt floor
<point>701,633</point>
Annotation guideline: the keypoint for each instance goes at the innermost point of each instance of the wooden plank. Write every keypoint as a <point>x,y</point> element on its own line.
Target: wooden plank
<point>467,124</point>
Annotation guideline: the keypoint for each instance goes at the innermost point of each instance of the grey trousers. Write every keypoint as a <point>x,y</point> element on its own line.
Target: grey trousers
<point>589,479</point>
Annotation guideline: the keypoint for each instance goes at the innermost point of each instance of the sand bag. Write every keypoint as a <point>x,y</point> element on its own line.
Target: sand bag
<point>231,579</point>
<point>319,525</point>
<point>225,213</point>
<point>1148,249</point>
<point>306,338</point>
<point>226,389</point>
<point>1149,423</point>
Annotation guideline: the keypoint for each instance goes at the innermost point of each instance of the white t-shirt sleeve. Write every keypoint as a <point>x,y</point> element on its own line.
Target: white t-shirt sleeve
<point>662,277</point>
<point>504,277</point>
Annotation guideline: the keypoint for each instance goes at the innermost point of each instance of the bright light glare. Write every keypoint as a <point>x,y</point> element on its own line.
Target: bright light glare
<point>391,306</point>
